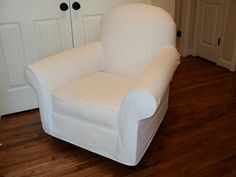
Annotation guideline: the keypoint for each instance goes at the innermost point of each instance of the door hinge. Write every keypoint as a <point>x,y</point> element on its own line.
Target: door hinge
<point>179,33</point>
<point>219,41</point>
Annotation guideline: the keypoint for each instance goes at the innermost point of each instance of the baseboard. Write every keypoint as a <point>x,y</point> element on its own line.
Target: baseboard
<point>232,68</point>
<point>187,53</point>
<point>225,64</point>
<point>190,52</point>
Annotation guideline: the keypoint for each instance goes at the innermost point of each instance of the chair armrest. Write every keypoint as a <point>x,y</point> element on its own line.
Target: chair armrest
<point>143,98</point>
<point>64,67</point>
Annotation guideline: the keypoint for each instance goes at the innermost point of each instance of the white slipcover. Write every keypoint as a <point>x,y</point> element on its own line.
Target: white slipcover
<point>111,95</point>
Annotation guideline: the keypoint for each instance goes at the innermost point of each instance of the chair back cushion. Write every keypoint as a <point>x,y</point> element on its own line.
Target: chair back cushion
<point>132,34</point>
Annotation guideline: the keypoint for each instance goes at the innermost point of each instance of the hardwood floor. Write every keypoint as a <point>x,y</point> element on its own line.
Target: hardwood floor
<point>196,139</point>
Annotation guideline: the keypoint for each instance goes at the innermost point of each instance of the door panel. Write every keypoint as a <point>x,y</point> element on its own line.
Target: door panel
<point>92,26</point>
<point>208,28</point>
<point>86,21</point>
<point>12,48</point>
<point>29,30</point>
<point>45,30</point>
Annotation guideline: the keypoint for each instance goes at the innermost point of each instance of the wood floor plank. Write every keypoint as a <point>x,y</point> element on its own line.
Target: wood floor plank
<point>196,139</point>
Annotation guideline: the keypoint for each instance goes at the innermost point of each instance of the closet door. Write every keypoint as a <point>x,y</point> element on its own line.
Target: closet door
<point>209,15</point>
<point>86,17</point>
<point>29,31</point>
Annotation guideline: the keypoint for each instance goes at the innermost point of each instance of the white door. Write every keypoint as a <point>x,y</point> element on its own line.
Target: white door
<point>29,30</point>
<point>86,21</point>
<point>208,26</point>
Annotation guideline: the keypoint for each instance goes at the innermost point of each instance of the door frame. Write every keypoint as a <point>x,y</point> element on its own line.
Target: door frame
<point>221,61</point>
<point>182,19</point>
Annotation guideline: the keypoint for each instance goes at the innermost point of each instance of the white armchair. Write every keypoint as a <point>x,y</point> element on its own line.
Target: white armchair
<point>110,96</point>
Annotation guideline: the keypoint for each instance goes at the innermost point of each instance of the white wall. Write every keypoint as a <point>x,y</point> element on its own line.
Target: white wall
<point>168,5</point>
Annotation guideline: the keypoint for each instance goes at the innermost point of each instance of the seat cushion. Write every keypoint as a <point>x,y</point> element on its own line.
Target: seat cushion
<point>95,98</point>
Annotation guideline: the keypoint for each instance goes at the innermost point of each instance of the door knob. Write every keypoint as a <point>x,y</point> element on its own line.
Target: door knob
<point>64,6</point>
<point>76,6</point>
